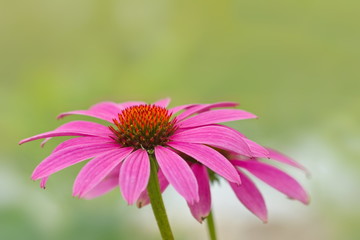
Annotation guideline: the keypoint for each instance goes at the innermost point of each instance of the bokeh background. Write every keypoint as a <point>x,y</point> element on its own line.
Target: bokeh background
<point>293,63</point>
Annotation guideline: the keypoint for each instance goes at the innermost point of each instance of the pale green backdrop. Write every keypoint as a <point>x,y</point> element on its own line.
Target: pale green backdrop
<point>294,63</point>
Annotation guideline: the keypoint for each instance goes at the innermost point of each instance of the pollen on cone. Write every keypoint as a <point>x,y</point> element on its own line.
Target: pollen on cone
<point>144,126</point>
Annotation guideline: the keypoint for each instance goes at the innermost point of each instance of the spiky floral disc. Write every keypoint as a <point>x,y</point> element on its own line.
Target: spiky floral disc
<point>144,126</point>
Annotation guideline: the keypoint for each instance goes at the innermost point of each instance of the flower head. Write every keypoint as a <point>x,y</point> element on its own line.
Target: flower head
<point>119,151</point>
<point>187,142</point>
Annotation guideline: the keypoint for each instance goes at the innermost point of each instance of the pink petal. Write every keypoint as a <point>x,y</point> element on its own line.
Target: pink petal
<point>256,149</point>
<point>69,156</point>
<point>277,156</point>
<point>75,128</point>
<point>110,182</point>
<point>85,126</point>
<point>144,196</point>
<point>178,173</point>
<point>89,113</point>
<point>197,108</point>
<point>43,182</point>
<point>103,187</point>
<point>134,175</point>
<point>104,110</point>
<point>215,136</point>
<point>130,104</point>
<point>97,169</point>
<point>81,141</point>
<point>231,129</point>
<point>91,128</point>
<point>163,102</point>
<point>250,196</point>
<point>216,116</point>
<point>201,209</point>
<point>275,178</point>
<point>210,158</point>
<point>200,108</point>
<point>181,107</point>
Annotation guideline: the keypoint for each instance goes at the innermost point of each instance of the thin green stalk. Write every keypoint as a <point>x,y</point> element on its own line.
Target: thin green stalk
<point>211,226</point>
<point>157,203</point>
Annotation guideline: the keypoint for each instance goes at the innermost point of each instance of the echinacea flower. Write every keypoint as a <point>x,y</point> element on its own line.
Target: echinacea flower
<point>120,150</point>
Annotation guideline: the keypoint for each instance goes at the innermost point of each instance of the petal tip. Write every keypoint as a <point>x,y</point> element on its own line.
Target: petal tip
<point>201,219</point>
<point>238,184</point>
<point>34,177</point>
<point>139,204</point>
<point>238,180</point>
<point>60,116</point>
<point>129,201</point>
<point>42,144</point>
<point>263,217</point>
<point>307,200</point>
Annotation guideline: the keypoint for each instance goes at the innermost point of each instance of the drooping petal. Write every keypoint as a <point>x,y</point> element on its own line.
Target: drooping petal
<point>250,196</point>
<point>201,209</point>
<point>144,196</point>
<point>89,113</point>
<point>216,116</point>
<point>275,155</point>
<point>231,129</point>
<point>215,136</point>
<point>85,126</point>
<point>104,110</point>
<point>97,169</point>
<point>163,102</point>
<point>75,128</point>
<point>275,178</point>
<point>134,175</point>
<point>210,158</point>
<point>110,182</point>
<point>69,156</point>
<point>81,141</point>
<point>198,108</point>
<point>106,185</point>
<point>93,129</point>
<point>43,182</point>
<point>256,149</point>
<point>178,173</point>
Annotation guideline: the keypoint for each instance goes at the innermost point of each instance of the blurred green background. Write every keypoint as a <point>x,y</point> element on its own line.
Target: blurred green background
<point>293,63</point>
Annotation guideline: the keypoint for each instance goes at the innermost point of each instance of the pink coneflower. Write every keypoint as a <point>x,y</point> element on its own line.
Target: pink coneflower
<point>120,150</point>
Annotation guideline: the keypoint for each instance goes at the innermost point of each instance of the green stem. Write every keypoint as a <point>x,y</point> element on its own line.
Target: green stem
<point>157,203</point>
<point>211,226</point>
